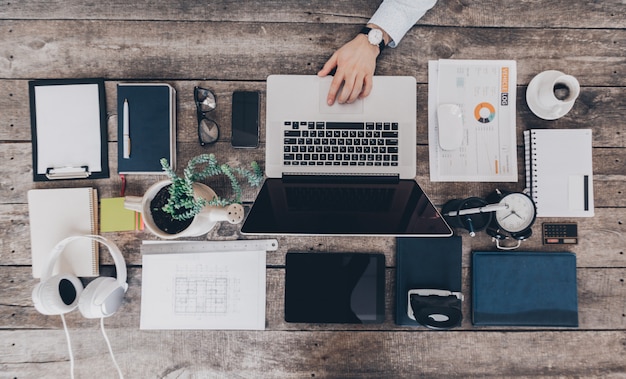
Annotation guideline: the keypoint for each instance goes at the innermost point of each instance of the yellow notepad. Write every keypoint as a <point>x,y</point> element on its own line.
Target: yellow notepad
<point>115,218</point>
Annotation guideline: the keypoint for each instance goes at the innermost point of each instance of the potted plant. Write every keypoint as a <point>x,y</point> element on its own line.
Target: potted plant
<point>181,206</point>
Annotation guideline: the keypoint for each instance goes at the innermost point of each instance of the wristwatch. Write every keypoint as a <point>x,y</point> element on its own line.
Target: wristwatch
<point>374,36</point>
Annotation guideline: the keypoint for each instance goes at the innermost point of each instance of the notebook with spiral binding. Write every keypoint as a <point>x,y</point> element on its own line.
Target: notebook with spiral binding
<point>57,213</point>
<point>559,171</point>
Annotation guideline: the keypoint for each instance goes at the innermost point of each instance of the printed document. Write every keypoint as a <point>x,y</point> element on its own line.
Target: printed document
<point>486,93</point>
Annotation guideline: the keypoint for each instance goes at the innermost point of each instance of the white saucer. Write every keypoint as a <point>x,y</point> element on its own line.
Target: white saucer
<point>542,79</point>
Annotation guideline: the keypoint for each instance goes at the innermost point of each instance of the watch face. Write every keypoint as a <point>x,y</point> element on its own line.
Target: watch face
<point>375,36</point>
<point>519,213</point>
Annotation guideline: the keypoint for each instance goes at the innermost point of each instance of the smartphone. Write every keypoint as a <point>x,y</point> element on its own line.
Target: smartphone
<point>245,120</point>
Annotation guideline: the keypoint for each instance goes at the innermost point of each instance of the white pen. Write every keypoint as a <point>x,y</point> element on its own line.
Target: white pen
<point>126,131</point>
<point>485,209</point>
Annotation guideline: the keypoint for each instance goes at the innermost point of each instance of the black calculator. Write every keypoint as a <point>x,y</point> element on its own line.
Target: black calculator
<point>560,233</point>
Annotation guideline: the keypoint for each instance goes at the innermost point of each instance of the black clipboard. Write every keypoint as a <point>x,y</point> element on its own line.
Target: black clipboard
<point>68,129</point>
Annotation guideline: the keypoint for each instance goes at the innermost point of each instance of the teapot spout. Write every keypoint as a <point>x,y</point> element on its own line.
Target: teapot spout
<point>232,213</point>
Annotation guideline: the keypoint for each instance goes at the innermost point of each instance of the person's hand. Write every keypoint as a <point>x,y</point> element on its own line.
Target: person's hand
<point>355,62</point>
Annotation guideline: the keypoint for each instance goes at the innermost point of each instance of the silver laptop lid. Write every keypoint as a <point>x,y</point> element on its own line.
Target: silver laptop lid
<point>302,98</point>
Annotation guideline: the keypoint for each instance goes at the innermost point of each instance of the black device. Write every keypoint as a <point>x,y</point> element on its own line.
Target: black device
<point>245,119</point>
<point>335,287</point>
<point>560,233</point>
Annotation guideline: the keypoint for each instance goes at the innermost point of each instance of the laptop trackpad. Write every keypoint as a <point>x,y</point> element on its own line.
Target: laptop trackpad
<point>353,108</point>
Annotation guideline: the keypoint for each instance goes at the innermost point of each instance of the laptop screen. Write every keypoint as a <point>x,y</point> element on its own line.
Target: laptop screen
<point>344,206</point>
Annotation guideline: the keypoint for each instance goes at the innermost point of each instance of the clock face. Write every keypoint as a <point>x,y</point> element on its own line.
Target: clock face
<point>519,213</point>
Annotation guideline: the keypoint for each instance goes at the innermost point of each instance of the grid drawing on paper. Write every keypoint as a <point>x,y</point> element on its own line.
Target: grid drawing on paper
<point>201,294</point>
<point>203,289</point>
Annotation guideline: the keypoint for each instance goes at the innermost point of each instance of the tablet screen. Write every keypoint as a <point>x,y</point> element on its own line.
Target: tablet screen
<point>335,288</point>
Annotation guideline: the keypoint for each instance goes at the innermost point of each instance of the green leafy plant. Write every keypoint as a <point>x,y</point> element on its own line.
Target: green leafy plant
<point>183,205</point>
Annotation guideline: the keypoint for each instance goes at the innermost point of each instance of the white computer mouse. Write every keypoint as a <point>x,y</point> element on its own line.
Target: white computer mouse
<point>450,121</point>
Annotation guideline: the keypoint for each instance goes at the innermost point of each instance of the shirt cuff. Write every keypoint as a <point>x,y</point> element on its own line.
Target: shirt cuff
<point>396,17</point>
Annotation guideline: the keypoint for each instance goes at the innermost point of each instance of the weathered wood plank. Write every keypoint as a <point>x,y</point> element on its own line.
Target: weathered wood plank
<point>510,13</point>
<point>602,295</point>
<point>16,178</point>
<point>602,240</point>
<point>175,50</point>
<point>599,108</point>
<point>299,354</point>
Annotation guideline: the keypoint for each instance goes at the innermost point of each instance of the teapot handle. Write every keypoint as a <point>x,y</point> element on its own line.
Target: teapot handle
<point>133,203</point>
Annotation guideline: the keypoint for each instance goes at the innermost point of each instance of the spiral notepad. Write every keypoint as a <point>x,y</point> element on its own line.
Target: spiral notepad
<point>559,171</point>
<point>57,213</point>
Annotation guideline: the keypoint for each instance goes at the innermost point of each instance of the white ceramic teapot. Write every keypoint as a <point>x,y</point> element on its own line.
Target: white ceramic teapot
<point>202,223</point>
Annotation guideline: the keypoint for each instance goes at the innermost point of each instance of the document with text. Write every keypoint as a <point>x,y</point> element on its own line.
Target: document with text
<point>485,92</point>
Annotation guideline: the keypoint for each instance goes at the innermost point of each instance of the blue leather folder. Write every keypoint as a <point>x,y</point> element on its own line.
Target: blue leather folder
<point>524,289</point>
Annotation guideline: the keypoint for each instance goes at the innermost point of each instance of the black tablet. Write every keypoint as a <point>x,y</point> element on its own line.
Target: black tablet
<point>335,288</point>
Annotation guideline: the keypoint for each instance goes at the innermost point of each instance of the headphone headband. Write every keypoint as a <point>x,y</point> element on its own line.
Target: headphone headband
<point>120,265</point>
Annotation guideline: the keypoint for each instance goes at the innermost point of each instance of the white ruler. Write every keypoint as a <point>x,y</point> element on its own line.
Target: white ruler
<point>164,247</point>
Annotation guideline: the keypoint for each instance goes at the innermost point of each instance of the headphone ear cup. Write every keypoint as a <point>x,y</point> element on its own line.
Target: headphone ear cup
<point>57,295</point>
<point>495,233</point>
<point>101,298</point>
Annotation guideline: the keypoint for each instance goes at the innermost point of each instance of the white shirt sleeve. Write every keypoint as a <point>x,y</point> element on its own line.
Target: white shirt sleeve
<point>396,17</point>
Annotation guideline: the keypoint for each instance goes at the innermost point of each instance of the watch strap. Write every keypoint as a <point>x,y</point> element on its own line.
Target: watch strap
<point>366,30</point>
<point>427,309</point>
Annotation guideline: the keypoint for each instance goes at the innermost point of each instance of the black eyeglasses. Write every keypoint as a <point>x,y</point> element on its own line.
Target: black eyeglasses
<point>208,131</point>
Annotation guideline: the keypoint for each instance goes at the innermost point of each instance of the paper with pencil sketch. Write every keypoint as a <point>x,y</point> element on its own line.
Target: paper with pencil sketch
<point>486,94</point>
<point>203,290</point>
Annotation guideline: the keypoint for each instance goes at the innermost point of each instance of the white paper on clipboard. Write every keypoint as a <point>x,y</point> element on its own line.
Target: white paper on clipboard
<point>486,92</point>
<point>68,127</point>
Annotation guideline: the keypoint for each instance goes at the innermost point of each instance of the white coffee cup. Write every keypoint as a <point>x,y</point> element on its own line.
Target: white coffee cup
<point>551,94</point>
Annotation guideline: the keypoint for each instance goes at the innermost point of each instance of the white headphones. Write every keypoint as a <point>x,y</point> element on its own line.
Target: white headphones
<point>62,293</point>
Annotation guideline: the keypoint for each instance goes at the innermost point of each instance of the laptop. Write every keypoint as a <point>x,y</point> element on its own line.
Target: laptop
<point>346,169</point>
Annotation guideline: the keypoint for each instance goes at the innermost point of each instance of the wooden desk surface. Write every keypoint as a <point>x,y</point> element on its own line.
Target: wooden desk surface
<point>229,45</point>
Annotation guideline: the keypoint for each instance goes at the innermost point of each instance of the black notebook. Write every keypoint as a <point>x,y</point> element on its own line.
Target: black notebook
<point>151,127</point>
<point>425,263</point>
<point>524,289</point>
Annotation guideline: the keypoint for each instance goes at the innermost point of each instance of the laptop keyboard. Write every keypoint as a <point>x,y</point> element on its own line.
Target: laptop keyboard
<point>324,143</point>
